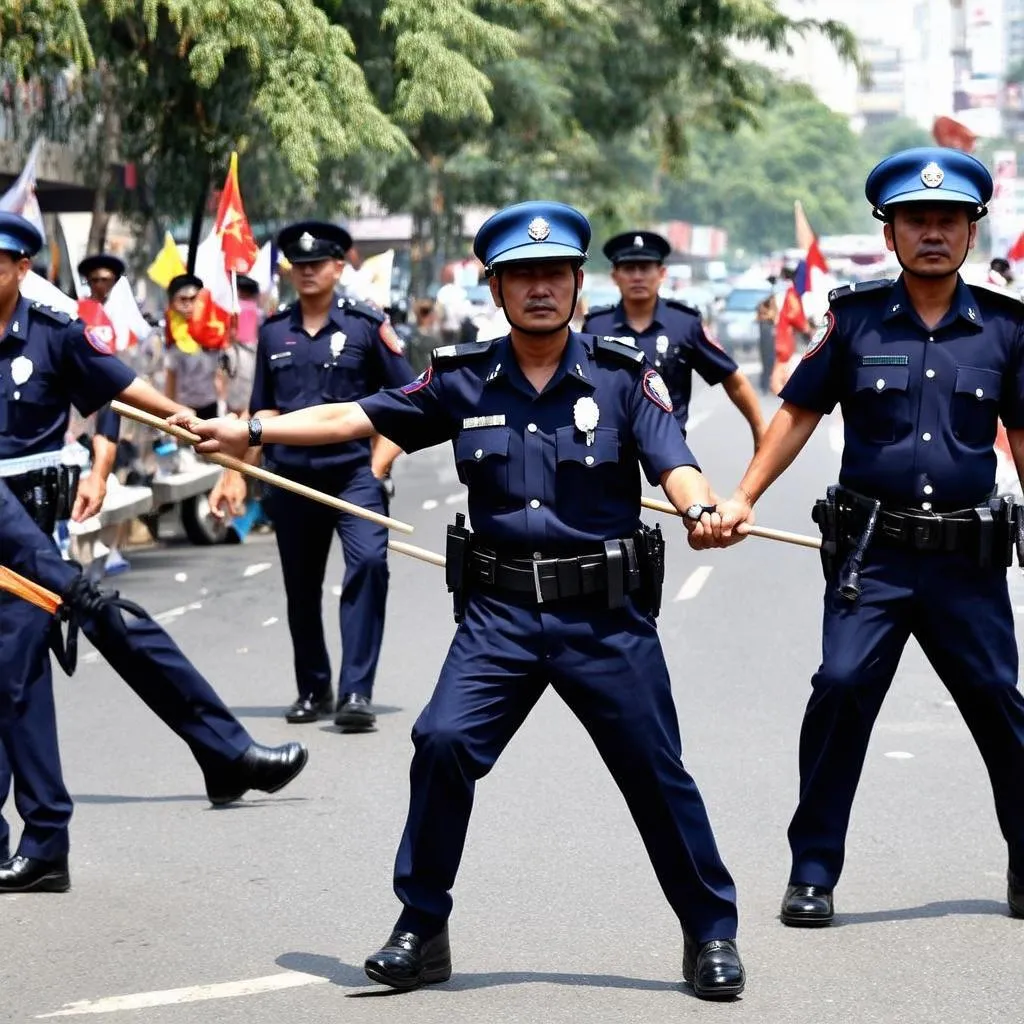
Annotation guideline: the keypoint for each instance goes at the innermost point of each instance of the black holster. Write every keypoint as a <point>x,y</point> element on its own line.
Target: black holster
<point>842,555</point>
<point>458,545</point>
<point>48,495</point>
<point>650,555</point>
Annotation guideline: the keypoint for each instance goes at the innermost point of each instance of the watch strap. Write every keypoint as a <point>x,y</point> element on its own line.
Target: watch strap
<point>255,433</point>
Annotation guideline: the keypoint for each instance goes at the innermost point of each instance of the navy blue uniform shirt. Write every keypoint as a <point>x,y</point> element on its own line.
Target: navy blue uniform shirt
<point>353,355</point>
<point>534,482</point>
<point>920,406</point>
<point>48,363</point>
<point>675,343</point>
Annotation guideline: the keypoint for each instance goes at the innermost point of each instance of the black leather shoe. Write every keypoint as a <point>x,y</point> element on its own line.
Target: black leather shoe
<point>267,769</point>
<point>714,969</point>
<point>1015,894</point>
<point>407,961</point>
<point>310,709</point>
<point>354,714</point>
<point>807,906</point>
<point>27,874</point>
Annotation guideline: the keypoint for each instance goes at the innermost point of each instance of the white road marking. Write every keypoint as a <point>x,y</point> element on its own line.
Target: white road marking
<point>176,613</point>
<point>255,570</point>
<point>454,499</point>
<point>899,755</point>
<point>270,621</point>
<point>192,994</point>
<point>692,586</point>
<point>180,577</point>
<point>429,505</point>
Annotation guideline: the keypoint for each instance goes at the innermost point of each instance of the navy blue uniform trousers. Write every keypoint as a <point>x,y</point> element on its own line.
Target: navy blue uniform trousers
<point>304,529</point>
<point>139,650</point>
<point>608,667</point>
<point>961,616</point>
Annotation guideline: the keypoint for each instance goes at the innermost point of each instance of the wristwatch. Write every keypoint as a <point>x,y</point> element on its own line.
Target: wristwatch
<point>255,433</point>
<point>694,512</point>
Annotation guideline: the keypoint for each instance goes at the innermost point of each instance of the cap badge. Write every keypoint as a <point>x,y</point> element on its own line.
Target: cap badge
<point>306,241</point>
<point>638,241</point>
<point>538,229</point>
<point>932,175</point>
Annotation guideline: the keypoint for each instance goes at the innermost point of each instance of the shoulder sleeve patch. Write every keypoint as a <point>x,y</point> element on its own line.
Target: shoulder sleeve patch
<point>655,390</point>
<point>821,335</point>
<point>617,351</point>
<point>419,383</point>
<point>858,288</point>
<point>101,339</point>
<point>447,356</point>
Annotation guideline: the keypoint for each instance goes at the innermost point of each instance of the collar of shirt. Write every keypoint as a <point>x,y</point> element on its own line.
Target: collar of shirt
<point>657,319</point>
<point>335,318</point>
<point>17,326</point>
<point>573,363</point>
<point>963,307</point>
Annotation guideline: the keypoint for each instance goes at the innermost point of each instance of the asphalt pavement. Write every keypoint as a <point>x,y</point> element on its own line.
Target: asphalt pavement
<point>263,912</point>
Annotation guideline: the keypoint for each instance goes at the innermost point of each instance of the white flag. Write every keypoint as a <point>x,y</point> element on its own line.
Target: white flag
<point>38,289</point>
<point>21,198</point>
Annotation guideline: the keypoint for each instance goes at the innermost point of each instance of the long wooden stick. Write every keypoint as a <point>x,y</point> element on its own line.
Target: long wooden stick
<point>258,473</point>
<point>764,532</point>
<point>402,548</point>
<point>16,584</point>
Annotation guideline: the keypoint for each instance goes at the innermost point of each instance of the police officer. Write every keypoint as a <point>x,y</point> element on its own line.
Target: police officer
<point>48,362</point>
<point>326,349</point>
<point>669,332</point>
<point>559,584</point>
<point>914,543</point>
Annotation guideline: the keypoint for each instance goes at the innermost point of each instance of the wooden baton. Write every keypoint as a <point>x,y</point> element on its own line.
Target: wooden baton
<point>258,472</point>
<point>766,533</point>
<point>16,584</point>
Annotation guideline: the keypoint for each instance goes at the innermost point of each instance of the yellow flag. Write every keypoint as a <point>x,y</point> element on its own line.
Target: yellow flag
<point>167,264</point>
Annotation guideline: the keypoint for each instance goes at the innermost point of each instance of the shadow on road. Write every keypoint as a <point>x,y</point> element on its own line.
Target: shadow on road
<point>252,799</point>
<point>351,976</point>
<point>277,711</point>
<point>945,908</point>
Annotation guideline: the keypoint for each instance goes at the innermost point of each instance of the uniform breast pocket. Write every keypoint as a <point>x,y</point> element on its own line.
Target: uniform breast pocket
<point>31,409</point>
<point>587,474</point>
<point>975,405</point>
<point>344,379</point>
<point>287,381</point>
<point>881,403</point>
<point>481,458</point>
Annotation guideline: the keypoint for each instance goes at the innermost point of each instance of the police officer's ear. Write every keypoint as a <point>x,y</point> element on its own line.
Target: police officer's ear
<point>887,232</point>
<point>495,287</point>
<point>972,237</point>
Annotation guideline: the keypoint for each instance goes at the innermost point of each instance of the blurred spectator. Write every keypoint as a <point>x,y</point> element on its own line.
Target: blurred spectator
<point>766,316</point>
<point>452,302</point>
<point>792,332</point>
<point>999,273</point>
<point>191,369</point>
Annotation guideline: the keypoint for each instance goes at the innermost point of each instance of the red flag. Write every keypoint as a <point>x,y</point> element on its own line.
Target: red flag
<point>1016,252</point>
<point>953,134</point>
<point>236,238</point>
<point>93,315</point>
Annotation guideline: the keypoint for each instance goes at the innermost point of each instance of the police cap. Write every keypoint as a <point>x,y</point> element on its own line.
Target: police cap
<point>101,261</point>
<point>929,174</point>
<point>530,232</point>
<point>310,241</point>
<point>183,281</point>
<point>19,236</point>
<point>247,286</point>
<point>637,247</point>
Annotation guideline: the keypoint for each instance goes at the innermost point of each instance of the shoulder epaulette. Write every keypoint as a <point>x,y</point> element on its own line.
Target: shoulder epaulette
<point>993,291</point>
<point>858,288</point>
<point>50,313</point>
<point>448,356</point>
<point>618,351</point>
<point>599,311</point>
<point>363,309</point>
<point>278,314</point>
<point>684,306</point>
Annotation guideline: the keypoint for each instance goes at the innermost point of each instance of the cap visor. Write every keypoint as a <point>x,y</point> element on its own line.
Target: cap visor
<point>309,257</point>
<point>639,258</point>
<point>8,243</point>
<point>538,251</point>
<point>933,195</point>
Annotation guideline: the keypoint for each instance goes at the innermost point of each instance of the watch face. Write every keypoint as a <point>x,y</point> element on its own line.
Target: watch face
<point>694,512</point>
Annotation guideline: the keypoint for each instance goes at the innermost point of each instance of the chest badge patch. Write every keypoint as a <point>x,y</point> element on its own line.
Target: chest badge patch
<point>586,414</point>
<point>820,336</point>
<point>21,370</point>
<point>338,340</point>
<point>656,391</point>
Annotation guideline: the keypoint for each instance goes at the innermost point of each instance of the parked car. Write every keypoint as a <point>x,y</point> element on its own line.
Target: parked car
<point>736,321</point>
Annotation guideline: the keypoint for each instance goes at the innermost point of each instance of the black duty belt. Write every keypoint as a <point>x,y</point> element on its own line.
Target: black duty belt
<point>613,571</point>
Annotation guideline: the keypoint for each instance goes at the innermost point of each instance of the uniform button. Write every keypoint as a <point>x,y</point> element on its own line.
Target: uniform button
<point>928,488</point>
<point>980,392</point>
<point>931,337</point>
<point>589,460</point>
<point>534,503</point>
<point>929,374</point>
<point>531,427</point>
<point>478,454</point>
<point>537,555</point>
<point>880,383</point>
<point>926,436</point>
<point>926,505</point>
<point>17,395</point>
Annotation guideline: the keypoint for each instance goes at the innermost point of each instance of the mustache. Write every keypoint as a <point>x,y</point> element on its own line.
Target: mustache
<point>540,306</point>
<point>932,251</point>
